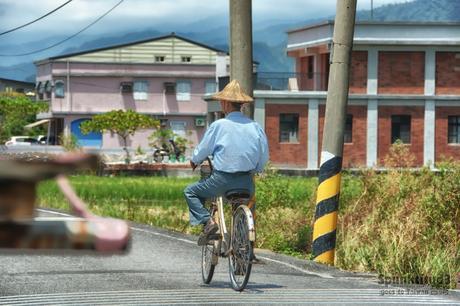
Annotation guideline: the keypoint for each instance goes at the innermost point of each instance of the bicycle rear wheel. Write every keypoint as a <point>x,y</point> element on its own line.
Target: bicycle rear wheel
<point>240,258</point>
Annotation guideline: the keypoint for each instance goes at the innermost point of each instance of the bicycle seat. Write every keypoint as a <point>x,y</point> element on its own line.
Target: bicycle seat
<point>234,194</point>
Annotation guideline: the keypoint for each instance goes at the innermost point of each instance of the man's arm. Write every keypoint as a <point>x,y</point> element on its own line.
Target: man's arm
<point>205,147</point>
<point>263,146</point>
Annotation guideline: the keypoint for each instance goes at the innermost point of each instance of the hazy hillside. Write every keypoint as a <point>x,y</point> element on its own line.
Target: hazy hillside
<point>269,37</point>
<point>419,10</point>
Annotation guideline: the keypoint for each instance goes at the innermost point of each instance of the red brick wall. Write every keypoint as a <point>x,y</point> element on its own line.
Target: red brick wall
<point>384,130</point>
<point>358,73</point>
<point>286,153</point>
<point>401,72</point>
<point>354,153</point>
<point>448,73</point>
<point>442,148</point>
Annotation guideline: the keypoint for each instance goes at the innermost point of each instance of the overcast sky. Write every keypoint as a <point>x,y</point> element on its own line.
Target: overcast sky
<point>136,14</point>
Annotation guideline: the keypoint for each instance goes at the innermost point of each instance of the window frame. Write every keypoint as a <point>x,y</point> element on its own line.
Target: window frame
<point>456,133</point>
<point>160,56</point>
<point>57,86</point>
<point>296,130</point>
<point>140,95</point>
<point>183,96</point>
<point>206,83</point>
<point>182,123</point>
<point>348,122</point>
<point>393,123</point>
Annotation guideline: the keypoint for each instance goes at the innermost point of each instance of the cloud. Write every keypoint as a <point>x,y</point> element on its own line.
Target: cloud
<point>137,13</point>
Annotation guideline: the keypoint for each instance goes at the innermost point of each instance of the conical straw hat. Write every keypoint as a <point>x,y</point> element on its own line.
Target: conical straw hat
<point>233,93</point>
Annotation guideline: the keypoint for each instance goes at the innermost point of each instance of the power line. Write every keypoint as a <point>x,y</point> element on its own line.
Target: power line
<point>68,38</point>
<point>33,21</point>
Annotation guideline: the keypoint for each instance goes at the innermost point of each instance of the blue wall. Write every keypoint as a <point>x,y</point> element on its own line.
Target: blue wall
<point>89,140</point>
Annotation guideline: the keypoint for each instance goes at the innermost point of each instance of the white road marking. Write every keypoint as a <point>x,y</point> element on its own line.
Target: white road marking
<point>53,212</point>
<point>163,235</point>
<point>323,275</point>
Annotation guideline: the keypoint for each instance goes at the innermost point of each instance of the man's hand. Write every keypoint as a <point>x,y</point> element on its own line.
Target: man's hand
<point>193,165</point>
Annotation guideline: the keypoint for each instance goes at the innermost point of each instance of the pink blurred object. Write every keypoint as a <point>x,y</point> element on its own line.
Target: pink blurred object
<point>109,234</point>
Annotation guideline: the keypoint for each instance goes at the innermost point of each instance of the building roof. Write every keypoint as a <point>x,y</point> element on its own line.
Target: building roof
<point>172,35</point>
<point>379,33</point>
<point>379,23</point>
<point>17,81</point>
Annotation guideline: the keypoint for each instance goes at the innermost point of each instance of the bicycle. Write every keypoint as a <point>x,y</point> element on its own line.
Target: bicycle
<point>238,244</point>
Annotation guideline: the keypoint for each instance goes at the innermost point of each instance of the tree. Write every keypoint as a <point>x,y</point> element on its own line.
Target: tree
<point>16,111</point>
<point>160,138</point>
<point>122,123</point>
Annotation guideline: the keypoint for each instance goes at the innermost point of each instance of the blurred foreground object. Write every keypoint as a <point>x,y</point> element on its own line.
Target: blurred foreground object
<point>19,229</point>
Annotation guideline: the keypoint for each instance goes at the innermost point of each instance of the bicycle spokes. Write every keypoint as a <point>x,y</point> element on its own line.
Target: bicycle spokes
<point>242,248</point>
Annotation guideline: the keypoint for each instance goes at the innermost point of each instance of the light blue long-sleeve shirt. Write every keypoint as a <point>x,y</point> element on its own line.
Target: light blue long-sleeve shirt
<point>236,143</point>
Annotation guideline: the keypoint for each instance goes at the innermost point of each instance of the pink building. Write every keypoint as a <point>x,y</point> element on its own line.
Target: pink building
<point>164,77</point>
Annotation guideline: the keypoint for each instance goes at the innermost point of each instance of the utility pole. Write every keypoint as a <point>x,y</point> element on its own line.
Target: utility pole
<point>327,201</point>
<point>372,9</point>
<point>241,48</point>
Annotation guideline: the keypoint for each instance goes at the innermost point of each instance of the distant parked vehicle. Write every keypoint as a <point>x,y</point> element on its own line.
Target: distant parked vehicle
<point>21,141</point>
<point>42,140</point>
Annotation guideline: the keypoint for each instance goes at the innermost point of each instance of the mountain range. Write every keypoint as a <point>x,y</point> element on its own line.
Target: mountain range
<point>269,36</point>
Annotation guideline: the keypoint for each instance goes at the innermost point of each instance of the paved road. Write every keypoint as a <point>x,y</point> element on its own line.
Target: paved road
<point>164,268</point>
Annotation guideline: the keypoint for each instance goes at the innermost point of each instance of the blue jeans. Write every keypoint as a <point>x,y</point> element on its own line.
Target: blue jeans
<point>215,185</point>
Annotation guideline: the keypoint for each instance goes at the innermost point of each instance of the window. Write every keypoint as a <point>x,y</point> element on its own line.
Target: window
<point>178,127</point>
<point>163,123</point>
<point>183,89</point>
<point>348,135</point>
<point>20,90</point>
<point>186,59</point>
<point>400,128</point>
<point>41,90</point>
<point>126,87</point>
<point>140,89</point>
<point>210,87</point>
<point>289,128</point>
<point>310,67</point>
<point>159,59</point>
<point>454,129</point>
<point>48,89</point>
<point>59,89</point>
<point>170,87</point>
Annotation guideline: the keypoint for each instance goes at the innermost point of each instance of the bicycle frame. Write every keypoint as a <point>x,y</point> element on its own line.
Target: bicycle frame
<point>223,232</point>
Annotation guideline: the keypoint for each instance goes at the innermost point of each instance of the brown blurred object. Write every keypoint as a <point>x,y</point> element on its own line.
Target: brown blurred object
<point>19,230</point>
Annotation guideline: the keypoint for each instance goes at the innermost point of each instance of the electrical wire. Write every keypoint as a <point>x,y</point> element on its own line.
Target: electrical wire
<point>68,38</point>
<point>33,21</point>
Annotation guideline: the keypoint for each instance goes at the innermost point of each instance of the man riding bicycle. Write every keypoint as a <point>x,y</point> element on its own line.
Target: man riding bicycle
<point>239,149</point>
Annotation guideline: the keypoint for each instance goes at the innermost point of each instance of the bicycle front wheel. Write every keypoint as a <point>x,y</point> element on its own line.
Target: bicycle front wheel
<point>208,262</point>
<point>240,257</point>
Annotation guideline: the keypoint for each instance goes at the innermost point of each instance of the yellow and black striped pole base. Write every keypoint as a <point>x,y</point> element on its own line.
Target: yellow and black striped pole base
<point>327,203</point>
